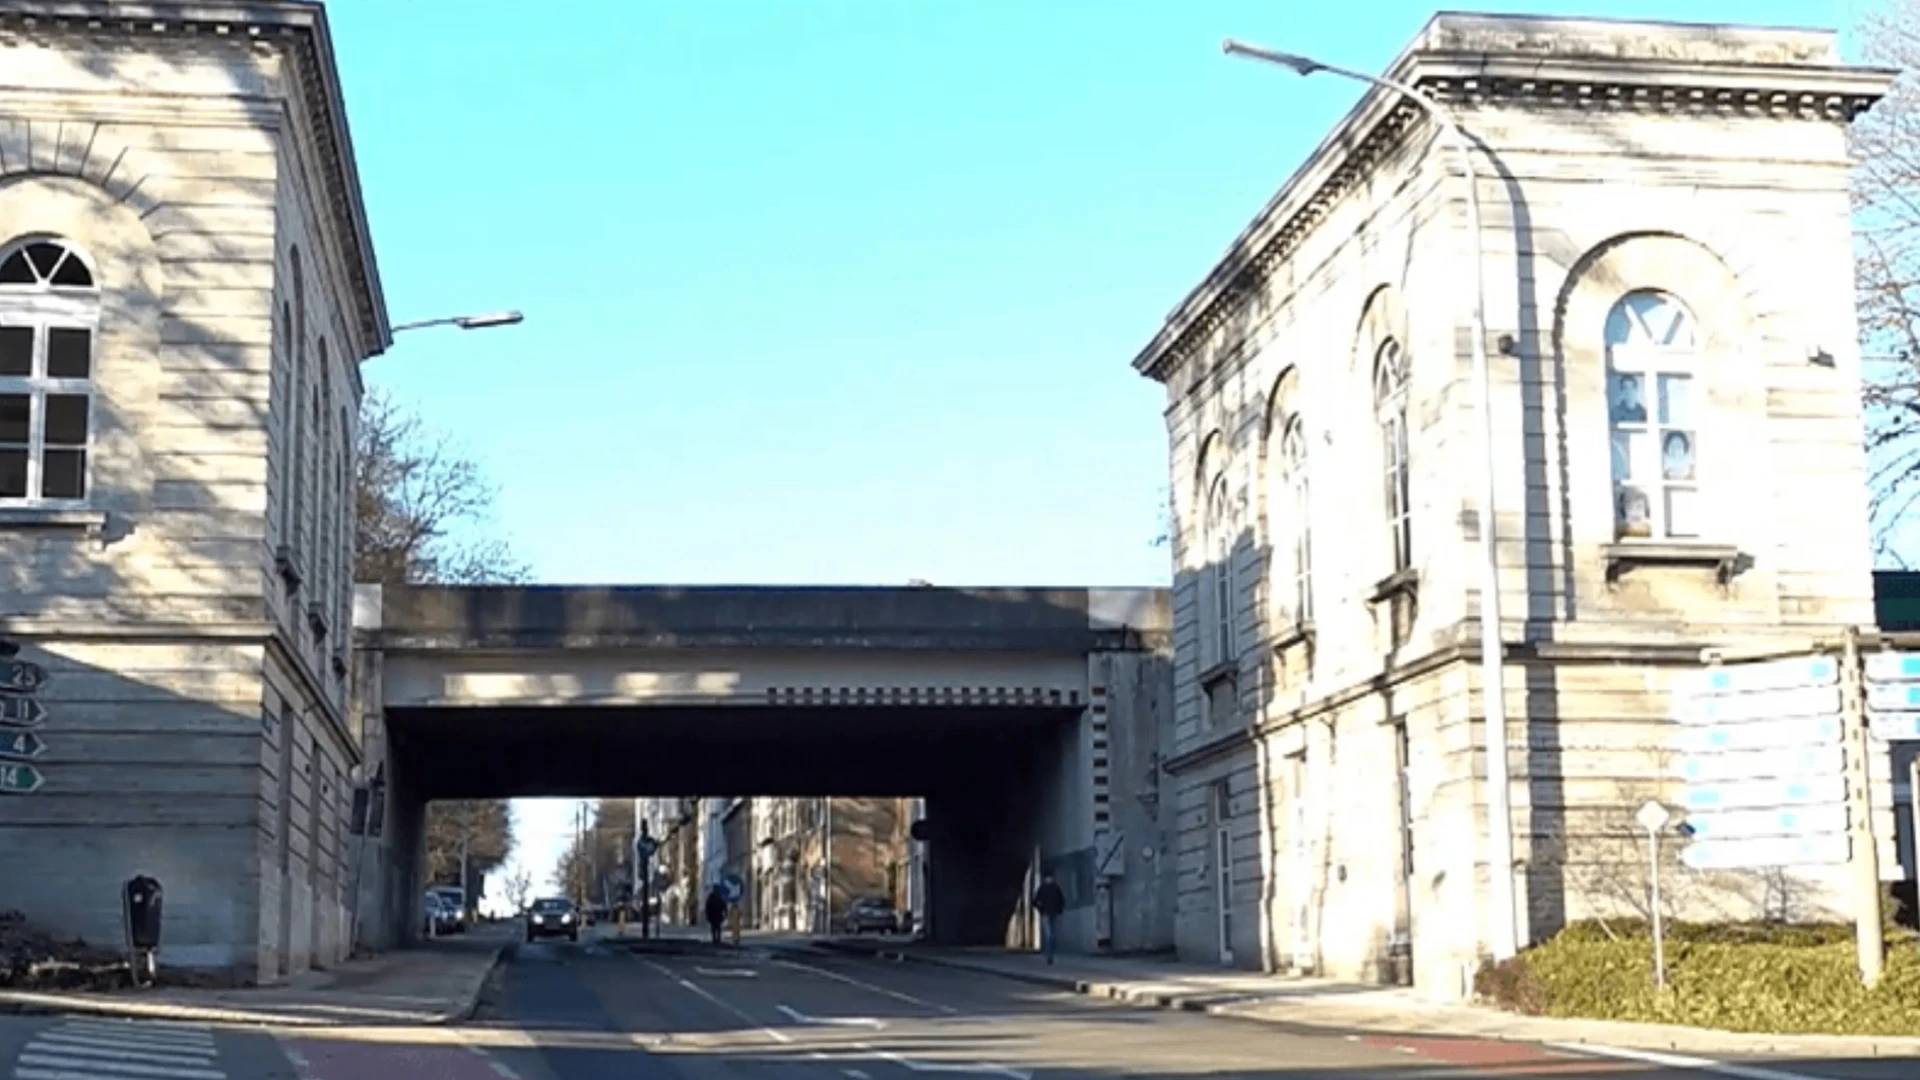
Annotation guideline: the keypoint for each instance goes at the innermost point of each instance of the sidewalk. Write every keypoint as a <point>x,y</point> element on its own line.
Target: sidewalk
<point>1321,1003</point>
<point>439,983</point>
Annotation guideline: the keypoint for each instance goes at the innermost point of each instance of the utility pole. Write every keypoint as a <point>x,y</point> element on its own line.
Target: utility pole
<point>1869,933</point>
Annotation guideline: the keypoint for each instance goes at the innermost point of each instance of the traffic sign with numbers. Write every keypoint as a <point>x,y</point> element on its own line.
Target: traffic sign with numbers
<point>19,779</point>
<point>21,712</point>
<point>21,677</point>
<point>21,745</point>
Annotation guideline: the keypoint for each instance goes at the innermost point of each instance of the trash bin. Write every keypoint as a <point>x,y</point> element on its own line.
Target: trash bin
<point>143,898</point>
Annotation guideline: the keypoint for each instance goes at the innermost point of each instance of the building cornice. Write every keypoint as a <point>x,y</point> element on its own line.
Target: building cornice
<point>1585,79</point>
<point>301,29</point>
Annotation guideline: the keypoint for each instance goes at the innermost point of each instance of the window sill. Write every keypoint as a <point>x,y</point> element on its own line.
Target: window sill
<point>1287,637</point>
<point>1224,670</point>
<point>48,517</point>
<point>317,621</point>
<point>339,667</point>
<point>1623,555</point>
<point>1399,583</point>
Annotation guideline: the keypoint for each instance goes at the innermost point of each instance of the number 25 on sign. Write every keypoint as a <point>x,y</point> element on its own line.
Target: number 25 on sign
<point>19,779</point>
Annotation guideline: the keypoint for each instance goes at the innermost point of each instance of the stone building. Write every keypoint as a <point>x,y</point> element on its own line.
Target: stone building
<point>186,289</point>
<point>858,845</point>
<point>1677,464</point>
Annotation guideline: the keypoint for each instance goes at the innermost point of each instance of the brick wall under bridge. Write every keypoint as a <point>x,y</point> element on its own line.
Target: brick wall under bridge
<point>1031,720</point>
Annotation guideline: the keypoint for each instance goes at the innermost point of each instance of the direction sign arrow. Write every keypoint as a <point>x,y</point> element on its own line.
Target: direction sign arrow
<point>21,745</point>
<point>20,779</point>
<point>21,677</point>
<point>22,712</point>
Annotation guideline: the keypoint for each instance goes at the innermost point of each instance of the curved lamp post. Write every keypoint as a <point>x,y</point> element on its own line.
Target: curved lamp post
<point>466,322</point>
<point>1492,652</point>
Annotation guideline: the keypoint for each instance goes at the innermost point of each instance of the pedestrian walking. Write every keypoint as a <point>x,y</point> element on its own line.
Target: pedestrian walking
<point>1049,901</point>
<point>716,912</point>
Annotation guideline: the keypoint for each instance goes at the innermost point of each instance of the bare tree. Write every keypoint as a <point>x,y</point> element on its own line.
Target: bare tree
<point>518,887</point>
<point>474,833</point>
<point>413,494</point>
<point>1886,206</point>
<point>598,862</point>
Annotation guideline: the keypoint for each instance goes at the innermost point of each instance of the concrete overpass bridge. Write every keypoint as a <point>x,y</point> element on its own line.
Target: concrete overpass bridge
<point>1031,720</point>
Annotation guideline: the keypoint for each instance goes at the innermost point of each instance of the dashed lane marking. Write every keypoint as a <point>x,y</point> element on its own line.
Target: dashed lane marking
<point>869,987</point>
<point>105,1050</point>
<point>701,992</point>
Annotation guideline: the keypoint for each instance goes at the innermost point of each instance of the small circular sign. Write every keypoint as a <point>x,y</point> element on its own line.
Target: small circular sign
<point>732,888</point>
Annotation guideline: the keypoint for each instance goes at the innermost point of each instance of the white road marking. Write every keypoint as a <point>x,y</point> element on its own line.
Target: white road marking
<point>867,986</point>
<point>701,992</point>
<point>106,1050</point>
<point>799,1017</point>
<point>1677,1061</point>
<point>731,973</point>
<point>855,1073</point>
<point>949,1066</point>
<point>66,1044</point>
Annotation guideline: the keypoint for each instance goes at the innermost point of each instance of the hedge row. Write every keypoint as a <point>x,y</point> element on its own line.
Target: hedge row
<point>1748,977</point>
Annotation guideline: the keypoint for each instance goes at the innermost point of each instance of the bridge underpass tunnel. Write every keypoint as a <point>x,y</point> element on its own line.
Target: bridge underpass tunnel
<point>1002,786</point>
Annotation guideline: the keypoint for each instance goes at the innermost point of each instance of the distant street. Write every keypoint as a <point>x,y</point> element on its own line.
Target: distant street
<point>597,1011</point>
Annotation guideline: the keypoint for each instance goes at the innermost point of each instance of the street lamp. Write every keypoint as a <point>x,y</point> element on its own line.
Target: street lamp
<point>1492,651</point>
<point>466,322</point>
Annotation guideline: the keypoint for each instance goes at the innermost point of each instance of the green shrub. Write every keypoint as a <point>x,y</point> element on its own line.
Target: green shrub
<point>1742,977</point>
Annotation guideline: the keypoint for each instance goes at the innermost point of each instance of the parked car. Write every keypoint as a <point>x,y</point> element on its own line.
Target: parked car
<point>870,915</point>
<point>553,916</point>
<point>437,916</point>
<point>454,899</point>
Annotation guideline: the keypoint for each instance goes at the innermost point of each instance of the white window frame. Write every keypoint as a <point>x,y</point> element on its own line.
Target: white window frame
<point>1390,412</point>
<point>1290,523</point>
<point>1220,516</point>
<point>1653,354</point>
<point>44,307</point>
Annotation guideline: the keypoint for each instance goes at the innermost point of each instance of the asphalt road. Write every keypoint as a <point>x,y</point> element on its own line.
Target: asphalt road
<point>592,1011</point>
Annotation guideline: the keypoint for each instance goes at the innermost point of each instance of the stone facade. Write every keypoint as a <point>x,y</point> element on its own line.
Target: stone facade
<point>864,839</point>
<point>175,511</point>
<point>1657,200</point>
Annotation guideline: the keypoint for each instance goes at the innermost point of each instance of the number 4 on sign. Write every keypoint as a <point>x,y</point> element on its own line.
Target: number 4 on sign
<point>21,745</point>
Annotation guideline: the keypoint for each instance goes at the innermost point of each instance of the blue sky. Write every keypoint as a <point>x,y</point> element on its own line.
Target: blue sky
<point>840,291</point>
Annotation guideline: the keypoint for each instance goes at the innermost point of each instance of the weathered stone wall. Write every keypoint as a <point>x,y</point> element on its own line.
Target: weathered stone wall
<point>1739,210</point>
<point>214,752</point>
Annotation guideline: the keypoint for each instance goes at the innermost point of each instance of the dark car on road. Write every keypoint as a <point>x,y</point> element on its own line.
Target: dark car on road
<point>553,916</point>
<point>870,915</point>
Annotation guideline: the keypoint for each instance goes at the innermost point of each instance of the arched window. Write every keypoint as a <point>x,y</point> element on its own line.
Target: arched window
<point>49,318</point>
<point>325,498</point>
<point>1390,408</point>
<point>313,454</point>
<point>344,511</point>
<point>1290,522</point>
<point>293,511</point>
<point>1288,514</point>
<point>1650,414</point>
<point>1220,526</point>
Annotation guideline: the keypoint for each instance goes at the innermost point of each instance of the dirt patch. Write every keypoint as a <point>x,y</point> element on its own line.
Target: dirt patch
<point>33,959</point>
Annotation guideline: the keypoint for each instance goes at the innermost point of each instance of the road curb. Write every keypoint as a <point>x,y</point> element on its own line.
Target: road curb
<point>1669,1038</point>
<point>35,1003</point>
<point>479,992</point>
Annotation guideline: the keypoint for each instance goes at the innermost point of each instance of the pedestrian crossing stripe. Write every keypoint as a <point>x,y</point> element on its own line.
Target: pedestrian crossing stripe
<point>106,1050</point>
